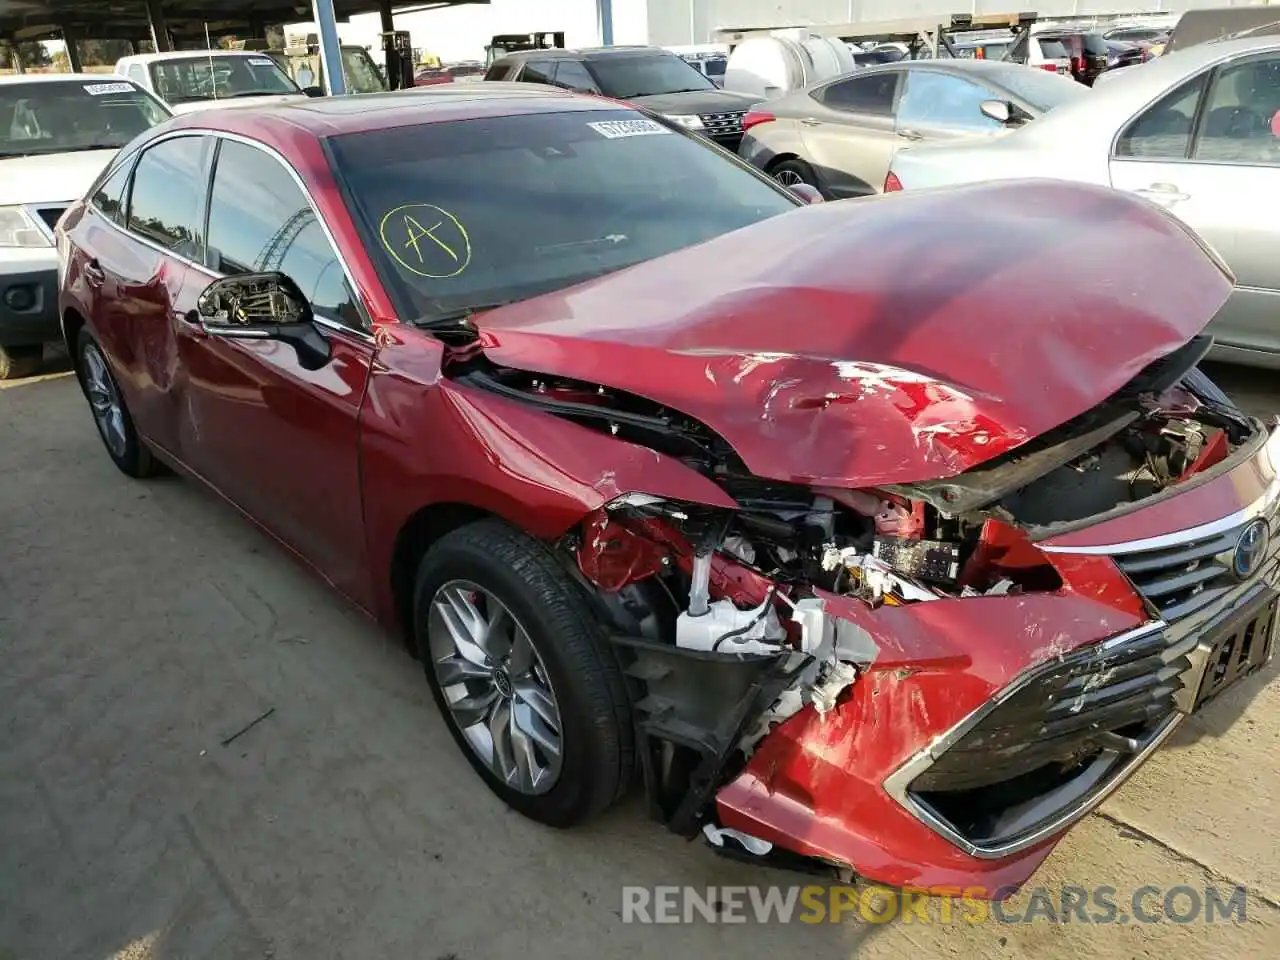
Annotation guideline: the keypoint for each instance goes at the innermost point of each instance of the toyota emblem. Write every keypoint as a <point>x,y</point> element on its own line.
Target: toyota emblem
<point>1251,549</point>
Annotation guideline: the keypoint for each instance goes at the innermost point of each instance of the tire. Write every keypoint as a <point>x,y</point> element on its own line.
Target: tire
<point>126,450</point>
<point>19,362</point>
<point>790,172</point>
<point>596,755</point>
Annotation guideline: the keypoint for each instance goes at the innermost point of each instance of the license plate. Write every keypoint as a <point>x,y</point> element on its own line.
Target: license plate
<point>1243,646</point>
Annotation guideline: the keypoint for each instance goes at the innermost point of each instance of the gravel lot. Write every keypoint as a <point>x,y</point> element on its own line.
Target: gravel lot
<point>142,624</point>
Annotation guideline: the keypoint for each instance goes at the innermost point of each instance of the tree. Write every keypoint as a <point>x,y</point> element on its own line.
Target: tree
<point>32,53</point>
<point>102,52</point>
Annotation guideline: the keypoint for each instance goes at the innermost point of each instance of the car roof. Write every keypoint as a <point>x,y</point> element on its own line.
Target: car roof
<point>360,113</point>
<point>13,78</point>
<point>190,54</point>
<point>585,53</point>
<point>1134,89</point>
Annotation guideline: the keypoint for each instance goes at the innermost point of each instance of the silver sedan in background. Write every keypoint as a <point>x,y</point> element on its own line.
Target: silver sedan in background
<point>1197,132</point>
<point>840,135</point>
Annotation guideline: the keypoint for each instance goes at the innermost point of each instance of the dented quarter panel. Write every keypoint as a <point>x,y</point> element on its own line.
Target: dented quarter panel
<point>885,346</point>
<point>426,440</point>
<point>814,785</point>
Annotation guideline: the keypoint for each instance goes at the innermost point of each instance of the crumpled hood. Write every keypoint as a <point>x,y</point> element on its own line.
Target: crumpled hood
<point>50,177</point>
<point>895,339</point>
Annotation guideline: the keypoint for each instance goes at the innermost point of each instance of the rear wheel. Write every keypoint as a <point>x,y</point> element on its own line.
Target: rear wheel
<point>110,415</point>
<point>519,667</point>
<point>18,362</point>
<point>791,173</point>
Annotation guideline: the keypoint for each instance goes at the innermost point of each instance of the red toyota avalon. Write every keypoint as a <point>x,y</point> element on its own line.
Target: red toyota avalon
<point>818,523</point>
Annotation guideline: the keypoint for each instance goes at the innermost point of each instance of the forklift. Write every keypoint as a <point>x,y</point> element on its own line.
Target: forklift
<point>501,44</point>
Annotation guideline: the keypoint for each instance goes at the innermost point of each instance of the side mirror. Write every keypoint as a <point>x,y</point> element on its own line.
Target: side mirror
<point>313,91</point>
<point>262,306</point>
<point>1001,111</point>
<point>806,192</point>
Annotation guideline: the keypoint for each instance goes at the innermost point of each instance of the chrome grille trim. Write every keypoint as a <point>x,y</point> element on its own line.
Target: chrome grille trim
<point>723,124</point>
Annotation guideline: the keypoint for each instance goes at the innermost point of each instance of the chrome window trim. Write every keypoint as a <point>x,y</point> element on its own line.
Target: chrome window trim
<point>898,782</point>
<point>364,335</point>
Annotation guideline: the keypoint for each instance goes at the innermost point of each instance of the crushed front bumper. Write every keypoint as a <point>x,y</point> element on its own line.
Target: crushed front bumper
<point>986,726</point>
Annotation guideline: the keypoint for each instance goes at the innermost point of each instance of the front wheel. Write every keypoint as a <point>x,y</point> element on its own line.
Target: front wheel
<point>110,415</point>
<point>519,667</point>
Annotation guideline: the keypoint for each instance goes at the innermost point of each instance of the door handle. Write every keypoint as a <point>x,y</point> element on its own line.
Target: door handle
<point>810,122</point>
<point>1163,193</point>
<point>910,135</point>
<point>94,275</point>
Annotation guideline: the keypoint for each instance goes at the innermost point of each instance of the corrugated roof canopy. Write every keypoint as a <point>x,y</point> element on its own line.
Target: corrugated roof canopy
<point>127,19</point>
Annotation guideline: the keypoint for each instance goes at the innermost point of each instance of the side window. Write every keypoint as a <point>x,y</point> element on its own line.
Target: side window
<point>536,72</point>
<point>1163,131</point>
<point>573,75</point>
<point>1242,115</point>
<point>110,197</point>
<point>939,99</point>
<point>138,74</point>
<point>261,222</point>
<point>869,94</point>
<point>166,204</point>
<point>498,71</point>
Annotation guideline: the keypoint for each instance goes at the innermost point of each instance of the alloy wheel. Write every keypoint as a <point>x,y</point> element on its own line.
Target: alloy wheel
<point>495,686</point>
<point>788,178</point>
<point>104,399</point>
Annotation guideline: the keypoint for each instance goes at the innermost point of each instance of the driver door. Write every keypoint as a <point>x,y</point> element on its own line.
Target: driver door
<point>1209,153</point>
<point>936,107</point>
<point>276,432</point>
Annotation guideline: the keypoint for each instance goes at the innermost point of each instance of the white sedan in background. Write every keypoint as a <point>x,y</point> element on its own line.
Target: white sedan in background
<point>1197,132</point>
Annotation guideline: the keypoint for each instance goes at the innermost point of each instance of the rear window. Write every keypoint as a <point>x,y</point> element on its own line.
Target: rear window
<point>67,116</point>
<point>1053,50</point>
<point>190,79</point>
<point>461,214</point>
<point>1095,45</point>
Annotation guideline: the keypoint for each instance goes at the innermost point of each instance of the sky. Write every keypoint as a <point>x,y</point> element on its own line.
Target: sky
<point>461,33</point>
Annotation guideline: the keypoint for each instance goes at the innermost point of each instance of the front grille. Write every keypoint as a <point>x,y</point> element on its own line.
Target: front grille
<point>723,125</point>
<point>1189,577</point>
<point>51,215</point>
<point>1090,700</point>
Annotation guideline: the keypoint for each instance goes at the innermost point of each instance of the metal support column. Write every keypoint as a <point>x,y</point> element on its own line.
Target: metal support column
<point>604,13</point>
<point>71,42</point>
<point>159,28</point>
<point>15,57</point>
<point>388,48</point>
<point>330,46</point>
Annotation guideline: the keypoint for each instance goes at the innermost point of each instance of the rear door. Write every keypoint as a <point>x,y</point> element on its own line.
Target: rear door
<point>936,106</point>
<point>1209,152</point>
<point>849,136</point>
<point>148,275</point>
<point>276,435</point>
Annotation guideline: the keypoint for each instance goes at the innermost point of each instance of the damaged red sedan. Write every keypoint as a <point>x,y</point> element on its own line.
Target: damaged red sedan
<point>818,523</point>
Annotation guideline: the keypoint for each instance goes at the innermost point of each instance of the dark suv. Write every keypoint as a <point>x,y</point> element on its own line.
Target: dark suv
<point>648,77</point>
<point>1088,52</point>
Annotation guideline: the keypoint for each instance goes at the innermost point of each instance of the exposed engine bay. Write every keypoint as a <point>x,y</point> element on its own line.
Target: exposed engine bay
<point>722,611</point>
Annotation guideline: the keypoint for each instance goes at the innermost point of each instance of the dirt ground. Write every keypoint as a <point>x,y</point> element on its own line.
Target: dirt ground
<point>141,625</point>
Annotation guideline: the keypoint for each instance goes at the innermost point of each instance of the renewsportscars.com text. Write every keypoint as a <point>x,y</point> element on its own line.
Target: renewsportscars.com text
<point>840,903</point>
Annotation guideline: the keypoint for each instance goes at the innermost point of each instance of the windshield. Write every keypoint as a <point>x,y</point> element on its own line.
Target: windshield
<point>63,117</point>
<point>628,77</point>
<point>215,77</point>
<point>462,214</point>
<point>1039,88</point>
<point>361,73</point>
